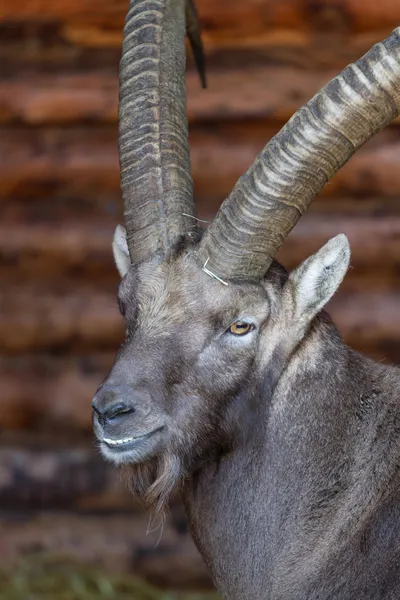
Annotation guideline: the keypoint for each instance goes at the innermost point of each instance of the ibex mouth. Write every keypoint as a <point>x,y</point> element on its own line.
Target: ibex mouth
<point>130,443</point>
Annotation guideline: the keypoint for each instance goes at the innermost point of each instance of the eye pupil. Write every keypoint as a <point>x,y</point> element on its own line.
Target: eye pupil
<point>240,328</point>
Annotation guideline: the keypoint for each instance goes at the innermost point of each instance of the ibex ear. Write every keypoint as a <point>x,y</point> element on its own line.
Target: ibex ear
<point>120,250</point>
<point>315,281</point>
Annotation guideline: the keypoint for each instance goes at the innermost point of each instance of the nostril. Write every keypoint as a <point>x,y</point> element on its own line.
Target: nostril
<point>116,410</point>
<point>108,404</point>
<point>96,410</point>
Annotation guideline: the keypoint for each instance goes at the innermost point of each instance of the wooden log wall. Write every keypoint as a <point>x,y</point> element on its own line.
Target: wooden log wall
<point>60,202</point>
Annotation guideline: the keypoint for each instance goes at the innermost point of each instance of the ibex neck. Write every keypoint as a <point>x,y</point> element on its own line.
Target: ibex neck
<point>279,515</point>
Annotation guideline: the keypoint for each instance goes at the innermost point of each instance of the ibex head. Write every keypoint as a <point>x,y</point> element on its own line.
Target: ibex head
<point>211,318</point>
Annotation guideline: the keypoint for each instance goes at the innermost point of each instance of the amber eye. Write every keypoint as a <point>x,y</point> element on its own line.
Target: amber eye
<point>240,328</point>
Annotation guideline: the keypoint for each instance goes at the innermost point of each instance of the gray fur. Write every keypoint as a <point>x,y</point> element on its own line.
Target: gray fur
<point>284,441</point>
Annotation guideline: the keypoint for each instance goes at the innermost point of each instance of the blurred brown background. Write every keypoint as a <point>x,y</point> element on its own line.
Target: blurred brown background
<point>60,202</point>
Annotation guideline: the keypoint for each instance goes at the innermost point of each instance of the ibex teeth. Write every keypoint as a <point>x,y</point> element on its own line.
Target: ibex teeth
<point>117,442</point>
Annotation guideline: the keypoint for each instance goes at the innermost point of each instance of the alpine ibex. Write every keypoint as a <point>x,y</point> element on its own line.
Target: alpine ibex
<point>231,380</point>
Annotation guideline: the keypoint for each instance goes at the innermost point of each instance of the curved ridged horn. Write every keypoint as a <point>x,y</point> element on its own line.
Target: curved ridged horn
<point>295,165</point>
<point>156,183</point>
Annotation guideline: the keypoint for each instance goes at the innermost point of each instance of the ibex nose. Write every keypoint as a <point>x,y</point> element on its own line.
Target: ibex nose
<point>107,405</point>
<point>112,411</point>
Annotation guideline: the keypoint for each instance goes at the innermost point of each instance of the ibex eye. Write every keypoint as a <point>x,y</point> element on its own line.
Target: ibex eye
<point>241,328</point>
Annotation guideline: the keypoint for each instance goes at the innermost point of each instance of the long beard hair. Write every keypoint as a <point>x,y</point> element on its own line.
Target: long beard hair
<point>154,481</point>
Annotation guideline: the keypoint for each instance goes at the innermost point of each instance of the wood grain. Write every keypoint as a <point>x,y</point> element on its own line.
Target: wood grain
<point>30,468</point>
<point>225,16</point>
<point>59,317</point>
<point>56,47</point>
<point>248,92</point>
<point>46,392</point>
<point>83,162</point>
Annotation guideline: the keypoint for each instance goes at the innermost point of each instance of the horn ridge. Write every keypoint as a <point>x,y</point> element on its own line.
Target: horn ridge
<point>296,164</point>
<point>156,181</point>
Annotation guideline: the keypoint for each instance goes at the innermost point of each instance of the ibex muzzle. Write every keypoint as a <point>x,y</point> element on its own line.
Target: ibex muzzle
<point>231,379</point>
